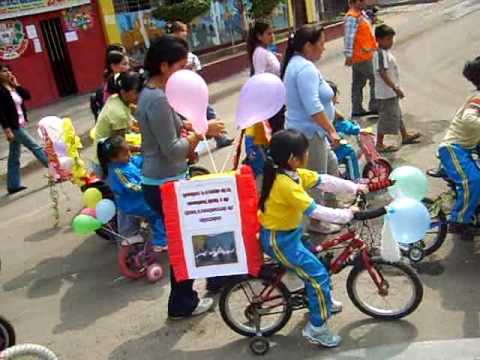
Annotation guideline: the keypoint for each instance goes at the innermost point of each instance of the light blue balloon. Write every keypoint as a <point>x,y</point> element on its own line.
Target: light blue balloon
<point>409,220</point>
<point>105,210</point>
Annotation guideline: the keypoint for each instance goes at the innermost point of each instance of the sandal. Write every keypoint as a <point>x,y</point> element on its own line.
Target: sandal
<point>387,149</point>
<point>411,139</point>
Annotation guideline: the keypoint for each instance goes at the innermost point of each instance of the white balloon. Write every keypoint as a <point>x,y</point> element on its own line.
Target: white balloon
<point>66,163</point>
<point>53,125</point>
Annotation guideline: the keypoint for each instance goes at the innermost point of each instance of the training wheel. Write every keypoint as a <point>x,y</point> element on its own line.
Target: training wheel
<point>259,345</point>
<point>154,273</point>
<point>415,253</point>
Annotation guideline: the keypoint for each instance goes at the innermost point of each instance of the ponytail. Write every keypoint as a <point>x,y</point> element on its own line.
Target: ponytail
<point>107,149</point>
<point>285,144</point>
<point>103,158</point>
<point>296,42</point>
<point>269,176</point>
<point>252,40</point>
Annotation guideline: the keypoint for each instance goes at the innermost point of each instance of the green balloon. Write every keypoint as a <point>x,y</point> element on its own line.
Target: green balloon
<point>84,224</point>
<point>410,182</point>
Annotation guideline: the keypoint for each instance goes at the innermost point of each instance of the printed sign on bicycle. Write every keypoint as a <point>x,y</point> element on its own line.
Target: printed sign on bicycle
<point>206,229</point>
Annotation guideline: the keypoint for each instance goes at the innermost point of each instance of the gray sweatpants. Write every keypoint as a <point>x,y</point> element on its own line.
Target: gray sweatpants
<point>321,158</point>
<point>361,73</point>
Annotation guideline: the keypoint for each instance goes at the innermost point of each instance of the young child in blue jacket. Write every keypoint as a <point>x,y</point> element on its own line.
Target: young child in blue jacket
<point>345,152</point>
<point>124,176</point>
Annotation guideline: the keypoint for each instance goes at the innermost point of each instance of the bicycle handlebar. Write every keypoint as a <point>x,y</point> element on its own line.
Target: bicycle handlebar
<point>370,214</point>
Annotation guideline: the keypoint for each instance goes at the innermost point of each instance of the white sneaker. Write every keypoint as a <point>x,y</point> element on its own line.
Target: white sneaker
<point>323,228</point>
<point>337,306</point>
<point>160,249</point>
<point>321,336</point>
<point>204,305</point>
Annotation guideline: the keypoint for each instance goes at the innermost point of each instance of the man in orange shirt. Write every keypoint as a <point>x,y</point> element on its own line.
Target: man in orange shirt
<point>360,46</point>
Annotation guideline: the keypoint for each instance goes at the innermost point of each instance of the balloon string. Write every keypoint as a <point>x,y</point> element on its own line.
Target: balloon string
<point>210,155</point>
<point>230,154</point>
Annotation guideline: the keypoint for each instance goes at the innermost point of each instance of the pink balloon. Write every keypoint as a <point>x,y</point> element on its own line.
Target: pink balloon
<point>187,94</point>
<point>261,97</point>
<point>89,212</point>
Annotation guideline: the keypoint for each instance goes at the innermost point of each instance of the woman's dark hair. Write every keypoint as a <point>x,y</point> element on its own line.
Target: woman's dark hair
<point>113,57</point>
<point>128,81</point>
<point>471,71</point>
<point>306,34</point>
<point>107,149</point>
<point>167,49</point>
<point>252,41</point>
<point>285,145</point>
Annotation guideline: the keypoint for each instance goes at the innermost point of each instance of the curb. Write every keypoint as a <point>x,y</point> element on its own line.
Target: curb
<point>408,2</point>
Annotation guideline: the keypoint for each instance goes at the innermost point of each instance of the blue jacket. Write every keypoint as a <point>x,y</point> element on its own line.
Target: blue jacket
<point>347,127</point>
<point>125,180</point>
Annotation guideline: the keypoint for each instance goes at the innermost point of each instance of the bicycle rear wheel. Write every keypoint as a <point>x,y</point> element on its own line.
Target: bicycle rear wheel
<point>400,292</point>
<point>243,301</point>
<point>28,352</point>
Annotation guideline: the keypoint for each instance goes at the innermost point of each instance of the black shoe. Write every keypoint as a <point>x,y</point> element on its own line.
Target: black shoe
<point>364,113</point>
<point>14,191</point>
<point>223,141</point>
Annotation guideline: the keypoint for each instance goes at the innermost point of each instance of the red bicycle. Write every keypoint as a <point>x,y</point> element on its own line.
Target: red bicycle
<point>260,307</point>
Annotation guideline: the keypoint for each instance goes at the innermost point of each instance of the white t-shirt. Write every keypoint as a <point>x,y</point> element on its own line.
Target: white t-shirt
<point>384,60</point>
<point>194,62</point>
<point>265,61</point>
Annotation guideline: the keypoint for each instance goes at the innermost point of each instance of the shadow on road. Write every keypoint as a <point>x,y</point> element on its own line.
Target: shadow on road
<point>92,285</point>
<point>461,293</point>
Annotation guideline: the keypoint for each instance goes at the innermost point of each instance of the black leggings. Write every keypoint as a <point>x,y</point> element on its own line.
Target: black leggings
<point>183,299</point>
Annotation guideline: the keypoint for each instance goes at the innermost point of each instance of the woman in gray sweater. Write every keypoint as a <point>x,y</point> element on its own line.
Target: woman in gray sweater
<point>166,151</point>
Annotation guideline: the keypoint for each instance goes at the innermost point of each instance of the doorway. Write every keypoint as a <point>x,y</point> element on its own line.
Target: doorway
<point>60,61</point>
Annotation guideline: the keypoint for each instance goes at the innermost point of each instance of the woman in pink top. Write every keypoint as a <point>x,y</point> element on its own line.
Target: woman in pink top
<point>13,118</point>
<point>262,60</point>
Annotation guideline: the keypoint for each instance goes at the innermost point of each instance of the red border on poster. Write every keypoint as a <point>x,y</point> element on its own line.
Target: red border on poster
<point>246,189</point>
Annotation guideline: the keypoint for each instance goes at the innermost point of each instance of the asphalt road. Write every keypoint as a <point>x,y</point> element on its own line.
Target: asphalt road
<point>65,291</point>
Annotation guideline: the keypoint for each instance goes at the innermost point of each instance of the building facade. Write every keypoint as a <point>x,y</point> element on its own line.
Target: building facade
<point>55,47</point>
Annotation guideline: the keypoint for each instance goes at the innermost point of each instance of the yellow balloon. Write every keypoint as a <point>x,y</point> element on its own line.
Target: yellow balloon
<point>91,197</point>
<point>93,133</point>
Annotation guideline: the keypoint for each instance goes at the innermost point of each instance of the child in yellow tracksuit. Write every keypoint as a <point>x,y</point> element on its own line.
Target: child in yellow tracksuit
<point>283,203</point>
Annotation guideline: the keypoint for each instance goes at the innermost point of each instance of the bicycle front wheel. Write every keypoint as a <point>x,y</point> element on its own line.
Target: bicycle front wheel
<point>28,352</point>
<point>399,291</point>
<point>244,303</point>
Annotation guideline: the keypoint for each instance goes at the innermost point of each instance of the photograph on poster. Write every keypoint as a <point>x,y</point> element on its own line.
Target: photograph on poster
<point>215,249</point>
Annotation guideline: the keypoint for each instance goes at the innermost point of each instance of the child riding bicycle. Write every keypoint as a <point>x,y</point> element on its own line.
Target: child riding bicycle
<point>461,140</point>
<point>283,203</point>
<point>124,176</point>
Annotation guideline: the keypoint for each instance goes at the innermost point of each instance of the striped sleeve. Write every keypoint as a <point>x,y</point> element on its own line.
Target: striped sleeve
<point>351,26</point>
<point>126,183</point>
<point>382,60</point>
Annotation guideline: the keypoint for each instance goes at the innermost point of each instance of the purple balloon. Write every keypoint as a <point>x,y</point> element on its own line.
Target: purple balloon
<point>187,94</point>
<point>60,148</point>
<point>261,98</point>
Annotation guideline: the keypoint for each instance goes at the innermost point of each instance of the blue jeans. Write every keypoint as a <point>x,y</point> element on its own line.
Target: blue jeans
<point>22,137</point>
